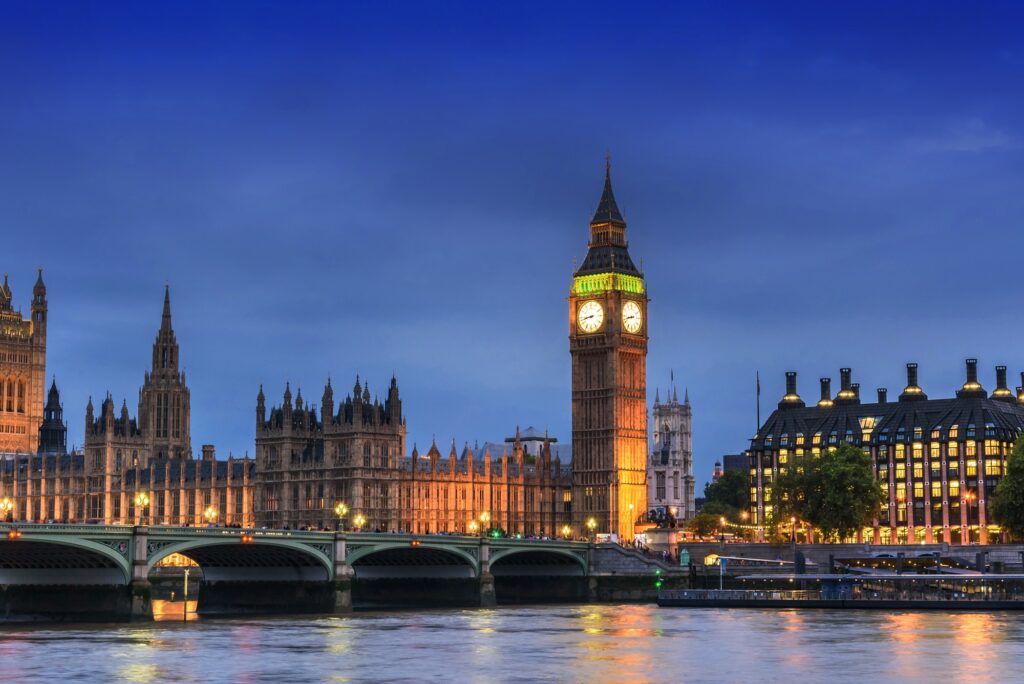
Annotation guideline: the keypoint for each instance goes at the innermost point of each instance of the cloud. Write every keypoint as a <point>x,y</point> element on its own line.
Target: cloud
<point>972,135</point>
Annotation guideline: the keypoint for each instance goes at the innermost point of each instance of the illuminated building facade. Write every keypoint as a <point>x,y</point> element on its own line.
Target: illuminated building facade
<point>22,369</point>
<point>308,460</point>
<point>938,460</point>
<point>125,456</point>
<point>608,345</point>
<point>670,480</point>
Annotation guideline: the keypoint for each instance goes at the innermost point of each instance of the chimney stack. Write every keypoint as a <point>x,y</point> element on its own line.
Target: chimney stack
<point>826,393</point>
<point>792,399</point>
<point>847,393</point>
<point>912,392</point>
<point>1002,392</point>
<point>883,395</point>
<point>971,388</point>
<point>855,388</point>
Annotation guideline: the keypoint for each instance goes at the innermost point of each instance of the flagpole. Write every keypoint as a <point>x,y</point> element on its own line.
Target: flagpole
<point>758,376</point>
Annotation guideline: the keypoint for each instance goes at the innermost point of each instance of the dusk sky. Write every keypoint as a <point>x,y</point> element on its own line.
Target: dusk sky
<point>378,188</point>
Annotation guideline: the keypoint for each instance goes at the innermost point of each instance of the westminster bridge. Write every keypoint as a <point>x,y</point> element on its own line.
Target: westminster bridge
<point>60,571</point>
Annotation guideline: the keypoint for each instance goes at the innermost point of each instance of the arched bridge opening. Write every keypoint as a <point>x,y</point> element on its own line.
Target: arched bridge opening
<point>63,579</point>
<point>538,576</point>
<point>231,577</point>
<point>414,575</point>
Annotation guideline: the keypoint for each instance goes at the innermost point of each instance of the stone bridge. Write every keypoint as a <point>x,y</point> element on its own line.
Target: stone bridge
<point>238,565</point>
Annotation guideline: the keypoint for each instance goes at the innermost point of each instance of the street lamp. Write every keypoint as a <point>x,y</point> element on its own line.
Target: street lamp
<point>566,531</point>
<point>141,503</point>
<point>792,526</point>
<point>359,521</point>
<point>340,510</point>
<point>591,525</point>
<point>969,498</point>
<point>7,508</point>
<point>473,527</point>
<point>485,518</point>
<point>210,514</point>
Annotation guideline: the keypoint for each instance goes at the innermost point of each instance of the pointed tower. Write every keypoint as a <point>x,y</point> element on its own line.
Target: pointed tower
<point>608,344</point>
<point>22,369</point>
<point>53,433</point>
<point>164,402</point>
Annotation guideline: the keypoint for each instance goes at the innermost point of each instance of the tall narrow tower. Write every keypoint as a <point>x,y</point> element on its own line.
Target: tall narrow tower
<point>164,409</point>
<point>608,344</point>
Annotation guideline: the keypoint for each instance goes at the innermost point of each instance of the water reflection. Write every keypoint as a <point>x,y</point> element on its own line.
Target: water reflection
<point>635,643</point>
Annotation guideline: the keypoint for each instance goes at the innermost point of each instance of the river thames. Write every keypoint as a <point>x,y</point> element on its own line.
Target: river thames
<point>584,643</point>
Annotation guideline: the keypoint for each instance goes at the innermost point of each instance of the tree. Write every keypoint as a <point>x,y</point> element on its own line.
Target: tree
<point>704,524</point>
<point>732,489</point>
<point>1008,502</point>
<point>836,493</point>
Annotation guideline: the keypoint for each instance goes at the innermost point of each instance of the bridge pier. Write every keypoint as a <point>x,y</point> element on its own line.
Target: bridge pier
<point>343,575</point>
<point>141,590</point>
<point>488,596</point>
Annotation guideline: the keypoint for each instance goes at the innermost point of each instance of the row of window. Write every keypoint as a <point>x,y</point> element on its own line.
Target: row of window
<point>12,395</point>
<point>867,425</point>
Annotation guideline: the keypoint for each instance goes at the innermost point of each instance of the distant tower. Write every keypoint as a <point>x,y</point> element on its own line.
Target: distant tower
<point>670,468</point>
<point>608,344</point>
<point>53,433</point>
<point>164,409</point>
<point>22,369</point>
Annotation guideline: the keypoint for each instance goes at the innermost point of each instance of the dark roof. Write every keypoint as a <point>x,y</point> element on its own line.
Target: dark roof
<point>607,259</point>
<point>894,422</point>
<point>607,209</point>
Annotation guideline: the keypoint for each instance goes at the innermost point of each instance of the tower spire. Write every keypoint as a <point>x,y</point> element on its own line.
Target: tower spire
<point>607,209</point>
<point>166,323</point>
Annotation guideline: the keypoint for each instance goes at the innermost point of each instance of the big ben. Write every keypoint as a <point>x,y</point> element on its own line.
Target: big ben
<point>608,344</point>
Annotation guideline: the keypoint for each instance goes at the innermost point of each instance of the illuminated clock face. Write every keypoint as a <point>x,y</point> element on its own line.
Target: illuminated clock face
<point>591,316</point>
<point>632,317</point>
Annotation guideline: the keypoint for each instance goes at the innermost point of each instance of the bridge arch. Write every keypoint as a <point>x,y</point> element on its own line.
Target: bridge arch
<point>403,560</point>
<point>535,560</point>
<point>261,559</point>
<point>41,560</point>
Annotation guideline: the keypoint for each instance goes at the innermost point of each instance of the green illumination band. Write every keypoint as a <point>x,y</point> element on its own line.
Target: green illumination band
<point>602,282</point>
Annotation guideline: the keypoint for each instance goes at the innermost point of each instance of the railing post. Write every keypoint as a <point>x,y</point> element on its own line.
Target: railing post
<point>488,597</point>
<point>343,575</point>
<point>141,590</point>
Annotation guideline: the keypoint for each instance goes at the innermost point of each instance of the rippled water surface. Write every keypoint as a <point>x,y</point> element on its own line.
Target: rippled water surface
<point>602,643</point>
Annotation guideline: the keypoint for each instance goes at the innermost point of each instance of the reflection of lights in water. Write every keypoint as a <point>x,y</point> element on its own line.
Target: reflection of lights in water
<point>174,610</point>
<point>976,628</point>
<point>904,627</point>
<point>139,672</point>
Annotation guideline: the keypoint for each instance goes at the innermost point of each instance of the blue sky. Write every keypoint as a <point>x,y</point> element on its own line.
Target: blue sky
<point>385,187</point>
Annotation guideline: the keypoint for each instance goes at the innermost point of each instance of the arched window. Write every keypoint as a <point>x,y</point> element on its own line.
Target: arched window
<point>21,396</point>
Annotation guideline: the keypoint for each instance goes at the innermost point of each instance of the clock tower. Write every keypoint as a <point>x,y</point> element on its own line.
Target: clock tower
<point>608,344</point>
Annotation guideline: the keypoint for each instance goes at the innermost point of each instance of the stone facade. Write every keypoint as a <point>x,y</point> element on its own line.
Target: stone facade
<point>310,460</point>
<point>124,456</point>
<point>22,369</point>
<point>670,469</point>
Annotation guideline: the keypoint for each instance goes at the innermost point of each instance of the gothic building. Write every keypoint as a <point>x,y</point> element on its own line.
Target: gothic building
<point>938,461</point>
<point>125,456</point>
<point>608,345</point>
<point>308,460</point>
<point>670,469</point>
<point>22,369</point>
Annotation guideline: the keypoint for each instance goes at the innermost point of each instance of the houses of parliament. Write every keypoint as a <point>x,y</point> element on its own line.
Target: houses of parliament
<point>308,458</point>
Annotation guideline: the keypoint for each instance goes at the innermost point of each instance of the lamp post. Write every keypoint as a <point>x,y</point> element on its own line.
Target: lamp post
<point>141,503</point>
<point>473,527</point>
<point>7,508</point>
<point>592,525</point>
<point>566,531</point>
<point>969,498</point>
<point>210,514</point>
<point>340,511</point>
<point>792,527</point>
<point>485,519</point>
<point>359,521</point>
